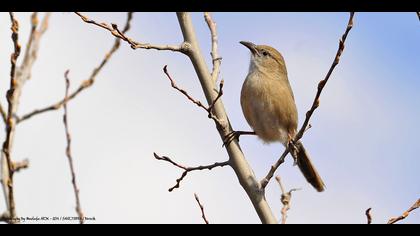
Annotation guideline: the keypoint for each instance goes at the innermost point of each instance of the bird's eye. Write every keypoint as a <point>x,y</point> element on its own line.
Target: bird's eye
<point>265,53</point>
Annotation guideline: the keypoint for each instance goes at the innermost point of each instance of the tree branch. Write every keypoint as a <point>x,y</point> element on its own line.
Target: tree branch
<point>406,213</point>
<point>3,113</point>
<point>203,215</point>
<point>196,102</point>
<point>286,197</point>
<point>188,169</point>
<point>418,14</point>
<point>113,29</point>
<point>314,106</point>
<point>216,59</point>
<point>237,161</point>
<point>68,151</point>
<point>7,165</point>
<point>21,165</point>
<point>85,84</point>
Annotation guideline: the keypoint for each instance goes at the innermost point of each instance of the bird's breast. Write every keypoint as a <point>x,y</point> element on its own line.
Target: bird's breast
<point>269,107</point>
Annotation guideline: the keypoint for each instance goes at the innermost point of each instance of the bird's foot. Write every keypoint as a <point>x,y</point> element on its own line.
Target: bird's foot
<point>235,135</point>
<point>293,150</point>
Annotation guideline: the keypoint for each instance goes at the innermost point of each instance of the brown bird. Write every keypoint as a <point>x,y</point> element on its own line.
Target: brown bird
<point>269,106</point>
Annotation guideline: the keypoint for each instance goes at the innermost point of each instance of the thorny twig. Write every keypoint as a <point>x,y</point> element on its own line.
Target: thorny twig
<point>286,197</point>
<point>203,215</point>
<point>68,151</point>
<point>209,109</point>
<point>216,59</point>
<point>188,169</point>
<point>113,29</point>
<point>314,106</point>
<point>85,84</point>
<point>406,213</point>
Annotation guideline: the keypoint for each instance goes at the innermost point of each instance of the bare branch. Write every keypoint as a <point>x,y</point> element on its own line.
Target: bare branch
<point>68,151</point>
<point>209,109</point>
<point>369,215</point>
<point>216,59</point>
<point>286,197</point>
<point>406,213</point>
<point>418,14</point>
<point>188,169</point>
<point>85,84</point>
<point>113,29</point>
<point>21,165</point>
<point>237,160</point>
<point>203,215</point>
<point>3,113</point>
<point>23,72</point>
<point>8,169</point>
<point>314,106</point>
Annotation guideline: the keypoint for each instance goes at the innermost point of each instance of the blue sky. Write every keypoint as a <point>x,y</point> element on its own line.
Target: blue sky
<point>363,140</point>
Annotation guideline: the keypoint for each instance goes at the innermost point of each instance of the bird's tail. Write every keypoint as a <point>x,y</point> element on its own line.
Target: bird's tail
<point>307,168</point>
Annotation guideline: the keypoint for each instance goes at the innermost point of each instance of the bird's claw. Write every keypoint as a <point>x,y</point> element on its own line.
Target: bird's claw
<point>235,135</point>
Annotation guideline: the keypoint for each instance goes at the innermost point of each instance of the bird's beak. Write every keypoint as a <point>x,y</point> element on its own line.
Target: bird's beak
<point>252,47</point>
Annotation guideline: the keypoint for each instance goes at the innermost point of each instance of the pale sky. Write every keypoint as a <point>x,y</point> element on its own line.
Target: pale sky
<point>363,141</point>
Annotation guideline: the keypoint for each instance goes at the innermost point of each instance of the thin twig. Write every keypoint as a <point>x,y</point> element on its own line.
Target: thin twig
<point>216,59</point>
<point>3,113</point>
<point>10,124</point>
<point>314,106</point>
<point>188,169</point>
<point>369,215</point>
<point>32,47</point>
<point>21,165</point>
<point>19,76</point>
<point>406,213</point>
<point>286,197</point>
<point>209,109</point>
<point>68,151</point>
<point>113,29</point>
<point>203,215</point>
<point>85,84</point>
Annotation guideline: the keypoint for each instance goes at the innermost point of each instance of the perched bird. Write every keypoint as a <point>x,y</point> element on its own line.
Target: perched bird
<point>269,106</point>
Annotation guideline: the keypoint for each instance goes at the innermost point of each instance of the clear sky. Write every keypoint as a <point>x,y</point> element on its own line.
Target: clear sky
<point>364,139</point>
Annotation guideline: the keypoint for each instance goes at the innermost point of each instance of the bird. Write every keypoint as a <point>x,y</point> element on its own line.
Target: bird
<point>269,107</point>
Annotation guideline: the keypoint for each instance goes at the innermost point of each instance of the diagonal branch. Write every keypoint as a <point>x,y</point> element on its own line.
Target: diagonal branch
<point>188,169</point>
<point>418,14</point>
<point>68,151</point>
<point>203,215</point>
<point>21,165</point>
<point>216,59</point>
<point>85,84</point>
<point>314,106</point>
<point>406,213</point>
<point>209,109</point>
<point>113,29</point>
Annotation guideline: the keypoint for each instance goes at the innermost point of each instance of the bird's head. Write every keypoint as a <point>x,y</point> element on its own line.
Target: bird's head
<point>265,58</point>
